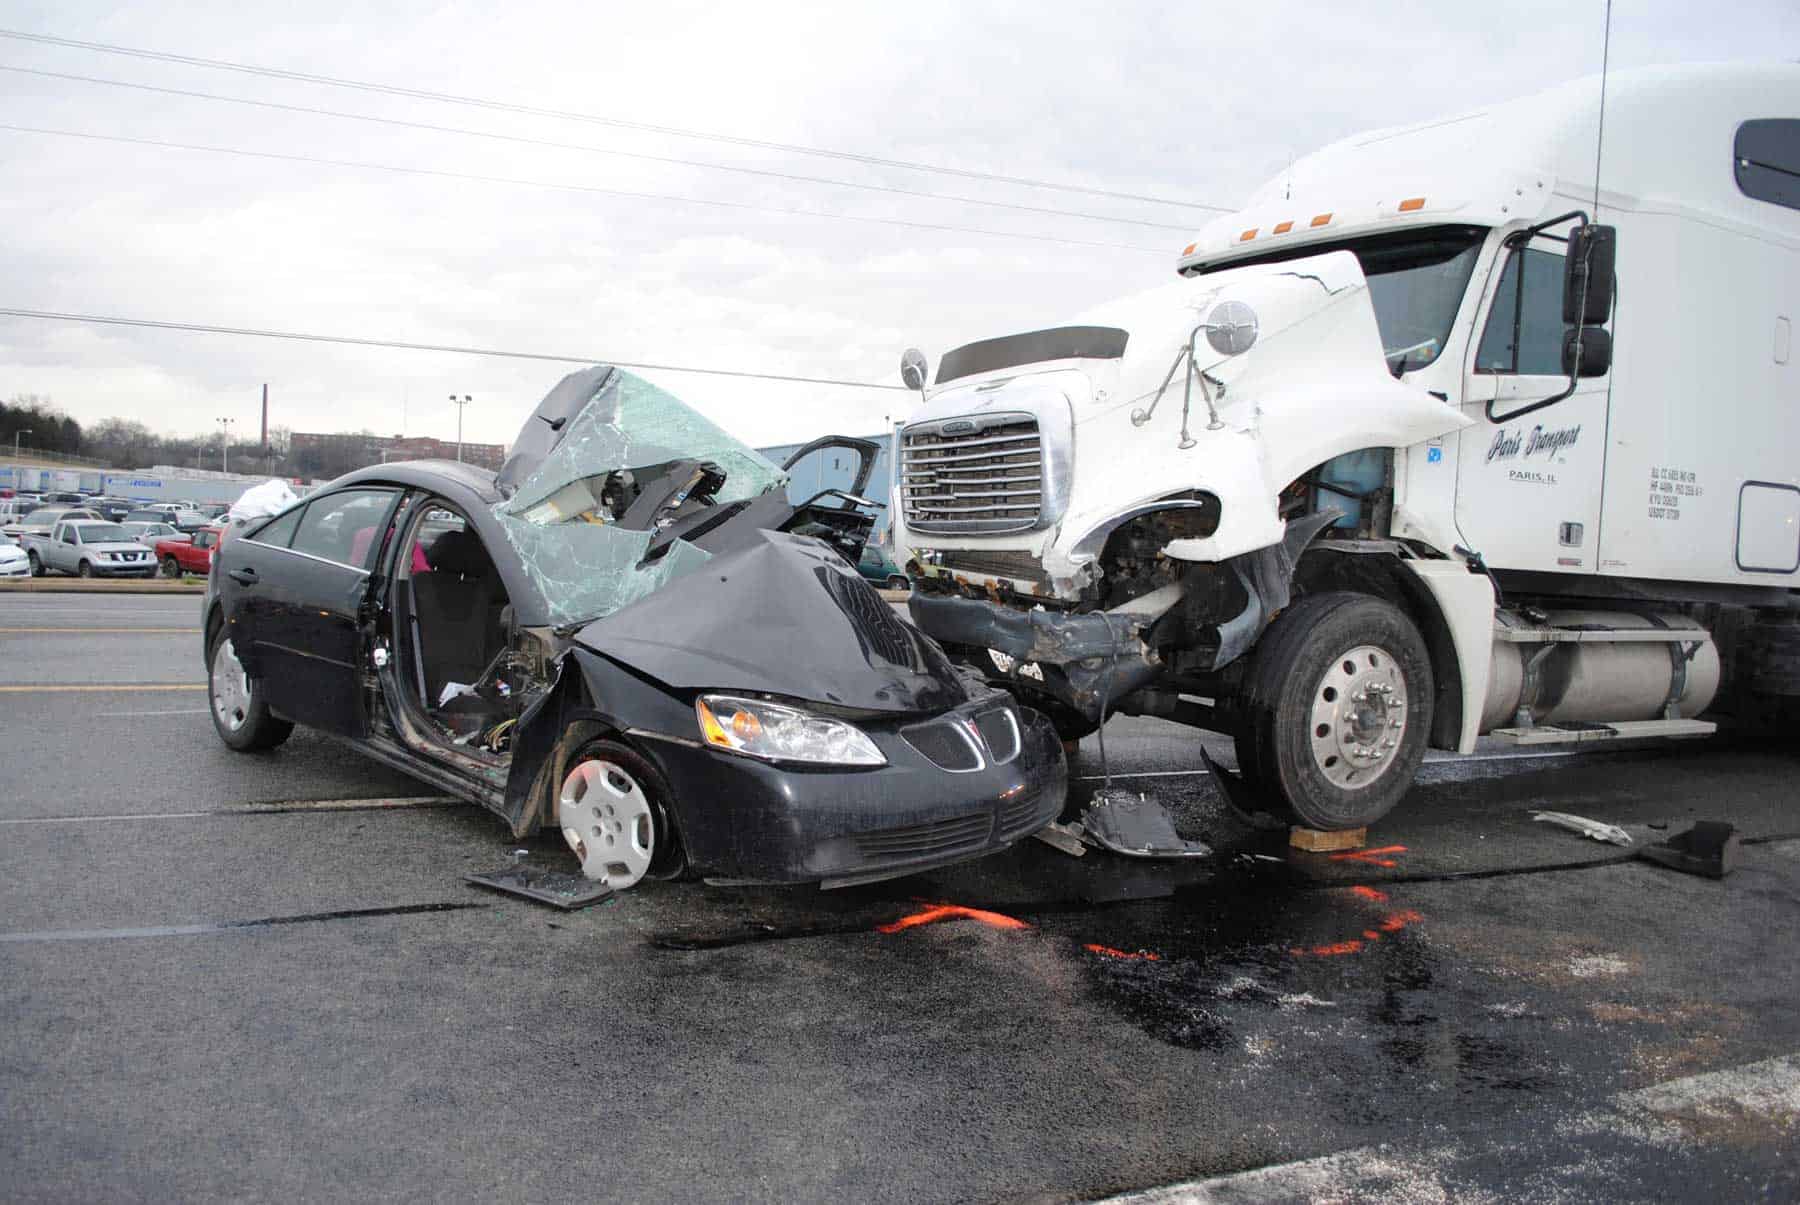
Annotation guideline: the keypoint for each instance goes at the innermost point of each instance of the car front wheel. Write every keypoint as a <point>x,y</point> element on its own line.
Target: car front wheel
<point>613,810</point>
<point>1337,707</point>
<point>239,712</point>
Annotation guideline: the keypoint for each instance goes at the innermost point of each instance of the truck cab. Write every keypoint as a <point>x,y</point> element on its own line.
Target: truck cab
<point>1440,436</point>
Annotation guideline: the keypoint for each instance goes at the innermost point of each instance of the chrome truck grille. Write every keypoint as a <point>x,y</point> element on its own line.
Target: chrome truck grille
<point>972,475</point>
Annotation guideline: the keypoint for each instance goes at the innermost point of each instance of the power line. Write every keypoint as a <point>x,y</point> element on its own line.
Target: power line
<point>455,349</point>
<point>585,147</point>
<point>581,188</point>
<point>596,119</point>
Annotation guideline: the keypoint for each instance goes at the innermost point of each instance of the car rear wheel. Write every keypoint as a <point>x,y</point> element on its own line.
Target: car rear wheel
<point>37,566</point>
<point>613,810</point>
<point>171,567</point>
<point>1337,707</point>
<point>239,711</point>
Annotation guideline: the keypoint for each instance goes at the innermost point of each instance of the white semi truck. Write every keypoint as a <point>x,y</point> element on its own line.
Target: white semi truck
<point>1435,438</point>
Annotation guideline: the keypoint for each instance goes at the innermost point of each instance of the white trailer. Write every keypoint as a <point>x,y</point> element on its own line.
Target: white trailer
<point>1434,438</point>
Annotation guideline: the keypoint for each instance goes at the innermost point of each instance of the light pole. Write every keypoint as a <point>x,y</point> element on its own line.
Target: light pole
<point>225,444</point>
<point>16,434</point>
<point>459,403</point>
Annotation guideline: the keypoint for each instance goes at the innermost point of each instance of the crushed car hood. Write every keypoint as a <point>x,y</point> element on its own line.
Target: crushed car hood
<point>783,616</point>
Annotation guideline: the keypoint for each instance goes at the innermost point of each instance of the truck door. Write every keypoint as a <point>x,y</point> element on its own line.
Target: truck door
<point>1528,474</point>
<point>298,589</point>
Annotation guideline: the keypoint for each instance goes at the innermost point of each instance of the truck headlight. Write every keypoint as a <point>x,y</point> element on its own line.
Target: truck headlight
<point>776,733</point>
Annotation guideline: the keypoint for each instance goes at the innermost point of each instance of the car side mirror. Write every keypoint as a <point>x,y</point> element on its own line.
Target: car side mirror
<point>1595,354</point>
<point>1588,275</point>
<point>915,369</point>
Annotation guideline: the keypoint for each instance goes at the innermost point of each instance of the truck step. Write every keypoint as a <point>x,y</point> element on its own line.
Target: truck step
<point>1621,730</point>
<point>1600,635</point>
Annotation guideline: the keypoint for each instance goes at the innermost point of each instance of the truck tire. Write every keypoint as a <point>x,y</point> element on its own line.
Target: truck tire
<point>84,570</point>
<point>37,566</point>
<point>1336,709</point>
<point>239,710</point>
<point>171,567</point>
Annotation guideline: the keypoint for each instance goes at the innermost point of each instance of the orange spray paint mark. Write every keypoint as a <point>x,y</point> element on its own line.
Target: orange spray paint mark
<point>1369,893</point>
<point>1108,951</point>
<point>1373,857</point>
<point>1330,950</point>
<point>940,912</point>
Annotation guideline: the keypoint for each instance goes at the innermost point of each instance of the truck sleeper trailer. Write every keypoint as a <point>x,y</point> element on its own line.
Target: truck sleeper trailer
<point>1433,439</point>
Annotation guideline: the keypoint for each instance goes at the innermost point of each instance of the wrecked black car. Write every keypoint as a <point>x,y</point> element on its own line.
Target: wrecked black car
<point>632,634</point>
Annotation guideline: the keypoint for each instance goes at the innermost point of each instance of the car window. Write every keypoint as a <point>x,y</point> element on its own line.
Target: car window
<point>341,527</point>
<point>69,536</point>
<point>1525,329</point>
<point>203,539</point>
<point>280,531</point>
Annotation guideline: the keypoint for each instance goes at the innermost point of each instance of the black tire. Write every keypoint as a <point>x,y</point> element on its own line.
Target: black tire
<point>897,582</point>
<point>1293,761</point>
<point>669,853</point>
<point>37,566</point>
<point>256,727</point>
<point>84,570</point>
<point>172,568</point>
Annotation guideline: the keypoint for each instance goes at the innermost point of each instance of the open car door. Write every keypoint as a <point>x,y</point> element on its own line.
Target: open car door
<point>841,515</point>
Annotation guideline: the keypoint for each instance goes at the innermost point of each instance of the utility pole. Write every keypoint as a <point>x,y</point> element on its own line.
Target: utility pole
<point>225,444</point>
<point>459,403</point>
<point>16,434</point>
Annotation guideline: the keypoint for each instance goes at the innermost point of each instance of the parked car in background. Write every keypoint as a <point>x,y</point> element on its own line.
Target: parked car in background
<point>621,637</point>
<point>187,554</point>
<point>215,510</point>
<point>188,521</point>
<point>40,521</point>
<point>147,533</point>
<point>88,548</point>
<point>13,510</point>
<point>878,567</point>
<point>14,561</point>
<point>69,497</point>
<point>111,509</point>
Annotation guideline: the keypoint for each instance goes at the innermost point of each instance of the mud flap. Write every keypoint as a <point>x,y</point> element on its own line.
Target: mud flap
<point>1239,798</point>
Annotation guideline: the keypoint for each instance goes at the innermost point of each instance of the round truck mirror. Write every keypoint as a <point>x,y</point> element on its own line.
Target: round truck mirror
<point>914,368</point>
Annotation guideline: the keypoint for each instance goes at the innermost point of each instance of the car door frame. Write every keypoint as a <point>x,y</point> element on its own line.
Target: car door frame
<point>305,622</point>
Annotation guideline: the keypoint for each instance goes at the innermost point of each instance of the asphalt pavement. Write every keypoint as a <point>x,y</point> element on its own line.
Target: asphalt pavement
<point>262,976</point>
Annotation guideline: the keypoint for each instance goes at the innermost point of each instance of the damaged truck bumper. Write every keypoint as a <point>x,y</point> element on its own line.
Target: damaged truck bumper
<point>950,791</point>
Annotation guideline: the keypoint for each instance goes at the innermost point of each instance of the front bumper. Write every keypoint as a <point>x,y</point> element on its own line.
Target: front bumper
<point>757,821</point>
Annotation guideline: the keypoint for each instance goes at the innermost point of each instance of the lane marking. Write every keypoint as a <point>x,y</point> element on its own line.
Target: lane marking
<point>93,631</point>
<point>21,688</point>
<point>275,808</point>
<point>125,715</point>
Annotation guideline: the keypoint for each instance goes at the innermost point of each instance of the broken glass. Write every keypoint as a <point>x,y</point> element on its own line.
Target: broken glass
<point>563,520</point>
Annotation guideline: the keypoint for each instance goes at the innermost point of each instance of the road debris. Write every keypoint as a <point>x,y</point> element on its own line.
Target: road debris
<point>1135,825</point>
<point>1709,849</point>
<point>557,888</point>
<point>1598,830</point>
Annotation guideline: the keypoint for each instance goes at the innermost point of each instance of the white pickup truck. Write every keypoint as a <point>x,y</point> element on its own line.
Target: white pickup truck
<point>88,548</point>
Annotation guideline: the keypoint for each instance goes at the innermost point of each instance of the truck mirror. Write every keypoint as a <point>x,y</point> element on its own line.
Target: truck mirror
<point>914,368</point>
<point>1596,352</point>
<point>1588,275</point>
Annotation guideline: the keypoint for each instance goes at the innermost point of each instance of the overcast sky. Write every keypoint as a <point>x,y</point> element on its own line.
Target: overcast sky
<point>1183,101</point>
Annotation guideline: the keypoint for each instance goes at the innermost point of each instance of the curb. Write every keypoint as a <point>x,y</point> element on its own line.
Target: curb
<point>75,585</point>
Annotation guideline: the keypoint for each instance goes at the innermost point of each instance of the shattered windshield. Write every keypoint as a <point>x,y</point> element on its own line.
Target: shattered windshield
<point>592,521</point>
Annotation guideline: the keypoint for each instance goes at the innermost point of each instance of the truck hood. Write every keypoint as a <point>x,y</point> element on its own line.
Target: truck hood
<point>114,546</point>
<point>784,616</point>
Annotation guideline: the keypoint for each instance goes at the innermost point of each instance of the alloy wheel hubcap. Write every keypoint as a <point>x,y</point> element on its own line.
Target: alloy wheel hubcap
<point>230,688</point>
<point>1358,717</point>
<point>605,818</point>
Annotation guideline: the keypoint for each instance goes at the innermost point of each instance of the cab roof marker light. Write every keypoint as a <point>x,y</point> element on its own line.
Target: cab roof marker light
<point>1412,204</point>
<point>1247,235</point>
<point>1321,219</point>
<point>1282,227</point>
<point>1189,249</point>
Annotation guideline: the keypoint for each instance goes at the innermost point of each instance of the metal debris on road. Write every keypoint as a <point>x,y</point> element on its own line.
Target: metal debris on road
<point>1598,830</point>
<point>1065,838</point>
<point>1135,825</point>
<point>558,888</point>
<point>1709,849</point>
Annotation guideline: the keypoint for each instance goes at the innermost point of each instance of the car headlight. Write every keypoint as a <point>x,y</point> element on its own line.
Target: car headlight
<point>776,733</point>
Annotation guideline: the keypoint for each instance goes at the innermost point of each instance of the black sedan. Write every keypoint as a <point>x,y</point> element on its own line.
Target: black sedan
<point>631,634</point>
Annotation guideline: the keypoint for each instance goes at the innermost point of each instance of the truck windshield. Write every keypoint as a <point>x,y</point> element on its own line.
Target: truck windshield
<point>103,533</point>
<point>1417,279</point>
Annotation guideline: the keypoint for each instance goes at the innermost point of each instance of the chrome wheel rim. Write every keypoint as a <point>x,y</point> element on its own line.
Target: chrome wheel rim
<point>1358,717</point>
<point>230,688</point>
<point>605,817</point>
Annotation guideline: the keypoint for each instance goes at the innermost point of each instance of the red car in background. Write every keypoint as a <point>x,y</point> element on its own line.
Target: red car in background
<point>179,556</point>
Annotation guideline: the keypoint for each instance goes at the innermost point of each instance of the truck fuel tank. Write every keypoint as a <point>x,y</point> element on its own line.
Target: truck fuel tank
<point>1599,667</point>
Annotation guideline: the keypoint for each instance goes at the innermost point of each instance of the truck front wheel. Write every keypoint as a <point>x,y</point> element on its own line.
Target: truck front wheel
<point>1336,710</point>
